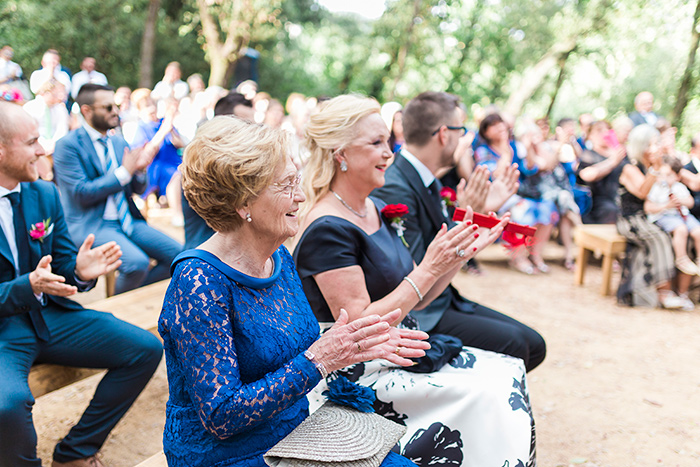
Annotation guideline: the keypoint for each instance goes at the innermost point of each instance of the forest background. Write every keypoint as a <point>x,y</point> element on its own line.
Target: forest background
<point>555,58</point>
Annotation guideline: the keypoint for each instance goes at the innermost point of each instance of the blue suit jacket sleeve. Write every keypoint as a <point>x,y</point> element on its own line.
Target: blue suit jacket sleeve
<point>16,294</point>
<point>72,166</point>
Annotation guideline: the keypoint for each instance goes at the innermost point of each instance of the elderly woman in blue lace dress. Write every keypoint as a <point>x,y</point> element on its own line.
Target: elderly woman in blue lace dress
<point>242,345</point>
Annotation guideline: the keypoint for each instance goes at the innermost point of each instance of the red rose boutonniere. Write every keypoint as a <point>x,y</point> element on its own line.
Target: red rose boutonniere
<point>449,196</point>
<point>394,213</point>
<point>40,230</point>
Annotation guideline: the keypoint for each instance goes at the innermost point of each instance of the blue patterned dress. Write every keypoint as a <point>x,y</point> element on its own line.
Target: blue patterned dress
<point>237,375</point>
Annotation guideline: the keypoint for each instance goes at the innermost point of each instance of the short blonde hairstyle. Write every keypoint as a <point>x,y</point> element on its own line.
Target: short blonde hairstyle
<point>330,129</point>
<point>139,97</point>
<point>639,140</point>
<point>227,165</point>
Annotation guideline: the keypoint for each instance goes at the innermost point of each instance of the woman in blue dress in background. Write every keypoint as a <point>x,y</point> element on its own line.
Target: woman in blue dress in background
<point>163,174</point>
<point>241,343</point>
<point>497,151</point>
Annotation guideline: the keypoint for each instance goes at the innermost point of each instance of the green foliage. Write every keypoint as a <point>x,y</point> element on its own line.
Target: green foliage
<point>478,49</point>
<point>109,30</point>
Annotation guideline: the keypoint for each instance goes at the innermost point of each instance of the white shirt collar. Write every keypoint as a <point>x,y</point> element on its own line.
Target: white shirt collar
<point>4,191</point>
<point>94,134</point>
<point>425,174</point>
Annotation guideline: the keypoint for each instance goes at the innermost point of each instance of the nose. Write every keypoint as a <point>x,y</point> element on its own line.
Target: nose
<point>298,194</point>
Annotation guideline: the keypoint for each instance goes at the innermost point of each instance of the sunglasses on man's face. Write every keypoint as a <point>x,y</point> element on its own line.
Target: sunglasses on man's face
<point>108,108</point>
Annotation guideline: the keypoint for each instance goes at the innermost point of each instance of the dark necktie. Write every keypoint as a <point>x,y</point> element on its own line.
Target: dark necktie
<point>434,189</point>
<point>24,260</point>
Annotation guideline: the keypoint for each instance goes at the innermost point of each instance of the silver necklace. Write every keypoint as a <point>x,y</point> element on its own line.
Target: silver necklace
<point>348,206</point>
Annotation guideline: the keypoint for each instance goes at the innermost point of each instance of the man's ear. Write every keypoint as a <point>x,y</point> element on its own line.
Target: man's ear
<point>86,111</point>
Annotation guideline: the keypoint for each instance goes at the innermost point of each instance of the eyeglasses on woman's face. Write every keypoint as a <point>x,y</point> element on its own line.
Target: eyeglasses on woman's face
<point>289,187</point>
<point>463,129</point>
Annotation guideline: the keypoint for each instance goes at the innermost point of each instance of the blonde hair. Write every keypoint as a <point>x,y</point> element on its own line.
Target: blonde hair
<point>227,165</point>
<point>639,140</point>
<point>139,97</point>
<point>330,129</point>
<point>49,86</point>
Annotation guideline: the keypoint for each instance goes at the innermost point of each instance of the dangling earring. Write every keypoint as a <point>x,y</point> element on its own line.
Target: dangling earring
<point>248,218</point>
<point>343,166</point>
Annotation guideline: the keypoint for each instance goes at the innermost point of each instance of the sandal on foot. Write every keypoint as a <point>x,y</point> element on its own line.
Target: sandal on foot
<point>525,267</point>
<point>570,264</point>
<point>686,266</point>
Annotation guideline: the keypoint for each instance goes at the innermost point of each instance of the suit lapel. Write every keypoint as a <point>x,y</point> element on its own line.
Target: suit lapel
<point>416,183</point>
<point>30,207</point>
<point>5,249</point>
<point>89,154</point>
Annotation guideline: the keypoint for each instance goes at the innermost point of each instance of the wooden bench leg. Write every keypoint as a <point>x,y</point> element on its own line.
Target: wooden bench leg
<point>607,274</point>
<point>110,280</point>
<point>581,262</point>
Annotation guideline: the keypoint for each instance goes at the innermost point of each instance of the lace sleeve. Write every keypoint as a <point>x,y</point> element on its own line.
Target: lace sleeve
<point>201,333</point>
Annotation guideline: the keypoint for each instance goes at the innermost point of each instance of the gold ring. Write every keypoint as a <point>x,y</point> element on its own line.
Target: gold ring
<point>398,349</point>
<point>359,349</point>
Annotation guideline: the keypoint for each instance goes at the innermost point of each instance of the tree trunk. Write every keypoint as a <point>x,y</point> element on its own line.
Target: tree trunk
<point>148,45</point>
<point>533,77</point>
<point>560,81</point>
<point>688,81</point>
<point>219,65</point>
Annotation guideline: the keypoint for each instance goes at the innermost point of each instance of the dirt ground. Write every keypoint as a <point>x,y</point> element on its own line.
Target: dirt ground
<point>620,386</point>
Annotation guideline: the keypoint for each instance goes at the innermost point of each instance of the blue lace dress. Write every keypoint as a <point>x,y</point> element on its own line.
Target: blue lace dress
<point>234,353</point>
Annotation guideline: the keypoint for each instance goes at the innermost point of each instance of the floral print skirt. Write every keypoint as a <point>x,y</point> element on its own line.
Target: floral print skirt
<point>473,412</point>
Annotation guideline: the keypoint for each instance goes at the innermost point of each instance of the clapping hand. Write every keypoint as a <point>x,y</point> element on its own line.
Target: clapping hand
<point>474,192</point>
<point>91,263</point>
<point>368,338</point>
<point>42,280</point>
<point>451,247</point>
<point>502,188</point>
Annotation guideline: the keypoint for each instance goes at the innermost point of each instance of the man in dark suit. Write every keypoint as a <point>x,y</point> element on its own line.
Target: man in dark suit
<point>644,109</point>
<point>432,129</point>
<point>97,175</point>
<point>39,267</point>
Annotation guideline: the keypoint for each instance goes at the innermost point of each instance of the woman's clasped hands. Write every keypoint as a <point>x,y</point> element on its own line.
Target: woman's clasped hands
<point>368,338</point>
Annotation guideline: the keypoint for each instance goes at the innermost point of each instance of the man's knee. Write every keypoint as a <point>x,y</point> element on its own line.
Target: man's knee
<point>15,405</point>
<point>137,262</point>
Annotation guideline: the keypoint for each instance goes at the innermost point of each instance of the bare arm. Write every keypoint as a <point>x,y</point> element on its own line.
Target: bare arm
<point>602,169</point>
<point>636,182</point>
<point>345,287</point>
<point>690,179</point>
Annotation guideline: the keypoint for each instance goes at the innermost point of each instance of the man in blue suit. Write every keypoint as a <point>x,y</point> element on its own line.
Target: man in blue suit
<point>39,268</point>
<point>97,175</point>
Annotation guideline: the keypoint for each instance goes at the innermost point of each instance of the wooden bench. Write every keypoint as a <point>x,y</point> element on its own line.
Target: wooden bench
<point>140,307</point>
<point>602,239</point>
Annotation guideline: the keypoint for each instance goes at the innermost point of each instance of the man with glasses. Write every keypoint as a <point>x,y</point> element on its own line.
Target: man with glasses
<point>97,174</point>
<point>432,130</point>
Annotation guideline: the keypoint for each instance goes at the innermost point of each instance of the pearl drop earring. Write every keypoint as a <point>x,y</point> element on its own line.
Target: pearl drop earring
<point>343,166</point>
<point>248,218</point>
